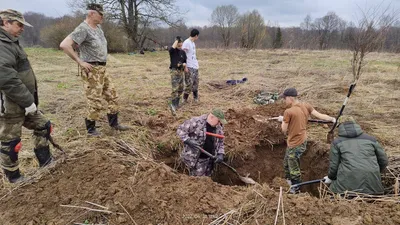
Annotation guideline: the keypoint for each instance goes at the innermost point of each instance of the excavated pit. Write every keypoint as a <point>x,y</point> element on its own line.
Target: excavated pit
<point>264,164</point>
<point>256,148</point>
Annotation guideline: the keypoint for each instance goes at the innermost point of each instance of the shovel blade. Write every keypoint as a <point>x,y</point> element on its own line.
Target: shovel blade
<point>247,180</point>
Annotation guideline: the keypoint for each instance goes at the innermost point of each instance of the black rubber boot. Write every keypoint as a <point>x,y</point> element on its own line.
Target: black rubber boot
<point>196,96</point>
<point>295,189</point>
<point>43,155</point>
<point>91,127</point>
<point>113,121</point>
<point>13,176</point>
<point>185,98</point>
<point>177,100</point>
<point>172,107</point>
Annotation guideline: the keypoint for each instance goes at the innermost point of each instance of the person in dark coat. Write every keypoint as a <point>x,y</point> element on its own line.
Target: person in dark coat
<point>356,160</point>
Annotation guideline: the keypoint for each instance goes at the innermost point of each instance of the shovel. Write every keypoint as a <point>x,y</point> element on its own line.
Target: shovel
<point>310,120</point>
<point>246,179</point>
<point>306,182</point>
<point>330,135</point>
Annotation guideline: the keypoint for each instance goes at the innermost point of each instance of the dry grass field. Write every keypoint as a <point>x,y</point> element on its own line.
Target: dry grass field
<point>125,171</point>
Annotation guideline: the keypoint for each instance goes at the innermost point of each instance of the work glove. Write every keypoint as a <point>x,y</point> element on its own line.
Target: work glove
<point>333,120</point>
<point>192,144</point>
<point>326,180</point>
<point>31,109</point>
<point>280,118</point>
<point>220,158</point>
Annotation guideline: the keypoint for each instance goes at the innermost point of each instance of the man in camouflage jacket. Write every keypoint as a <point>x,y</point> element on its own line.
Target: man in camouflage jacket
<point>18,99</point>
<point>193,134</point>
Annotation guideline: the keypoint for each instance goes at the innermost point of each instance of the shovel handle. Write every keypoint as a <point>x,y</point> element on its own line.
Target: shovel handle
<point>319,121</point>
<point>207,153</point>
<point>224,163</point>
<point>215,135</point>
<point>307,182</point>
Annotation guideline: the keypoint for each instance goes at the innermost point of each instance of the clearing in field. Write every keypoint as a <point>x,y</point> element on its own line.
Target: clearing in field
<point>136,178</point>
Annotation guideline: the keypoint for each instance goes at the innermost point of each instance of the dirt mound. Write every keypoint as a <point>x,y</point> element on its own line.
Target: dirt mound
<point>151,193</point>
<point>245,131</point>
<point>261,204</point>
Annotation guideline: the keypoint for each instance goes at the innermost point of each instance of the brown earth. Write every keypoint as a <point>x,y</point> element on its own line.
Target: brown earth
<point>137,187</point>
<point>147,192</point>
<point>151,193</point>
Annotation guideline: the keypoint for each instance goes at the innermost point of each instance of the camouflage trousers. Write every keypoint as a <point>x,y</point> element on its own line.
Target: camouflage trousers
<point>98,84</point>
<point>203,167</point>
<point>291,162</point>
<point>195,78</point>
<point>188,83</point>
<point>10,136</point>
<point>176,83</point>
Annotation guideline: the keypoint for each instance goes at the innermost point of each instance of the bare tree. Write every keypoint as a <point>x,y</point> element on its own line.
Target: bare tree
<point>326,27</point>
<point>225,17</point>
<point>31,35</point>
<point>369,35</point>
<point>306,24</point>
<point>253,30</point>
<point>138,17</point>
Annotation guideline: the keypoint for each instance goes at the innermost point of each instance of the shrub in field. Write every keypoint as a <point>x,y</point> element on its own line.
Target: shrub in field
<point>52,35</point>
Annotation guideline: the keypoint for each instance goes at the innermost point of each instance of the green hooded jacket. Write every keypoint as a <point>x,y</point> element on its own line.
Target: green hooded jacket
<point>356,161</point>
<point>18,86</point>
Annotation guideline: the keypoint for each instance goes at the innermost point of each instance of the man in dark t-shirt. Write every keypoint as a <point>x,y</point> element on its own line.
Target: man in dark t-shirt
<point>177,67</point>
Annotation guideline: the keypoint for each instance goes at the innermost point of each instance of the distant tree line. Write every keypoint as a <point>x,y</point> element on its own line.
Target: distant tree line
<point>228,29</point>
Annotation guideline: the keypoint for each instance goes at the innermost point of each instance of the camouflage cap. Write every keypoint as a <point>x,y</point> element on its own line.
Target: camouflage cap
<point>346,118</point>
<point>220,115</point>
<point>96,7</point>
<point>10,14</point>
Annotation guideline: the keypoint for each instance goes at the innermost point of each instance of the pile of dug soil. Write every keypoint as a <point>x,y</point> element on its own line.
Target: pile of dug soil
<point>143,192</point>
<point>245,131</point>
<point>151,193</point>
<point>261,205</point>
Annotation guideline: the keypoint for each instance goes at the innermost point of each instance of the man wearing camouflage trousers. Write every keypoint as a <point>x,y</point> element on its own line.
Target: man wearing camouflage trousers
<point>192,75</point>
<point>294,123</point>
<point>193,134</point>
<point>177,68</point>
<point>18,99</point>
<point>93,56</point>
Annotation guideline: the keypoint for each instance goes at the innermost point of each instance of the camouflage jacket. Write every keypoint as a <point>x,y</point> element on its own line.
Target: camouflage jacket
<point>17,81</point>
<point>195,129</point>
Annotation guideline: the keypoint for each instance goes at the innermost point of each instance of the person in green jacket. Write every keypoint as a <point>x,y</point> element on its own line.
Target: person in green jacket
<point>18,99</point>
<point>356,161</point>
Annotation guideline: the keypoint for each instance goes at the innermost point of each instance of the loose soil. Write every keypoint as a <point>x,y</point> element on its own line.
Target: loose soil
<point>139,189</point>
<point>147,192</point>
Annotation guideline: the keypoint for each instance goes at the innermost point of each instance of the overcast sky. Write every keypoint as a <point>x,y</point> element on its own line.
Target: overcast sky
<point>286,13</point>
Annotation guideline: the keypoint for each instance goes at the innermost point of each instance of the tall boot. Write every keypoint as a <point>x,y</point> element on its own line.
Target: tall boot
<point>177,100</point>
<point>113,121</point>
<point>91,127</point>
<point>13,176</point>
<point>43,155</point>
<point>185,98</point>
<point>172,106</point>
<point>196,96</point>
<point>294,189</point>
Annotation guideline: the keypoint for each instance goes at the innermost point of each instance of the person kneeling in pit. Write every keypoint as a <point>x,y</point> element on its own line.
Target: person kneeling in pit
<point>356,161</point>
<point>193,134</point>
